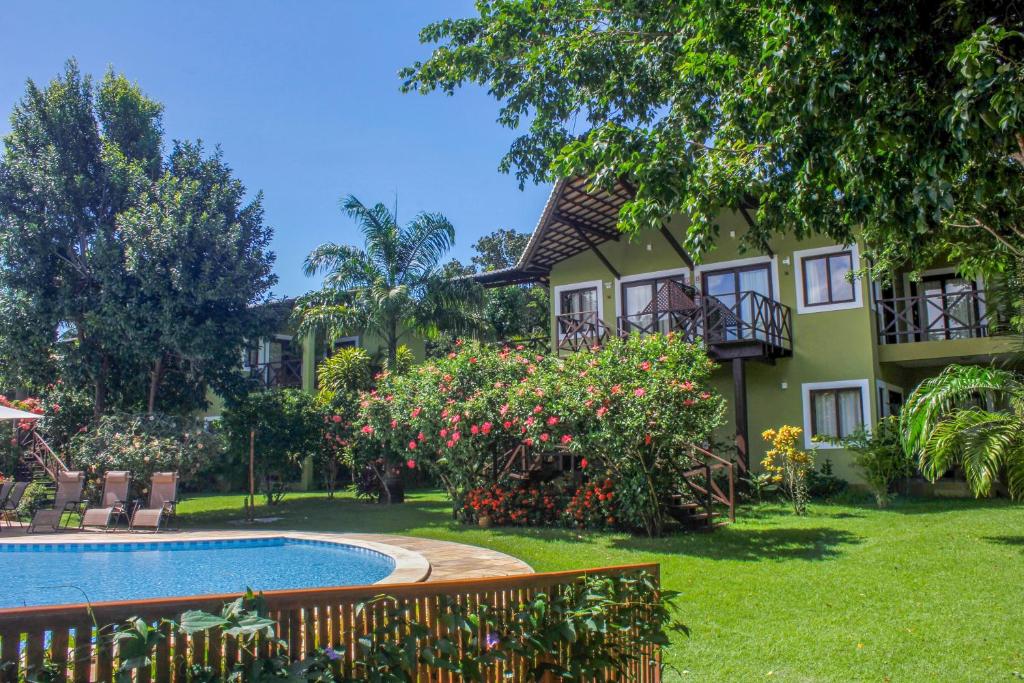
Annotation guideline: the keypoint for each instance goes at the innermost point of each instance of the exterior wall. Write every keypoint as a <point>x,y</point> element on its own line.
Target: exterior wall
<point>828,345</point>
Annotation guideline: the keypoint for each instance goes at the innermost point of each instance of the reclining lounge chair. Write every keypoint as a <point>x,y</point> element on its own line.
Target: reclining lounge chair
<point>67,500</point>
<point>163,500</point>
<point>10,499</point>
<point>112,502</point>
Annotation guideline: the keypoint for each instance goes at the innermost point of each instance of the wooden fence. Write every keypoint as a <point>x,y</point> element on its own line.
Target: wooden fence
<point>65,636</point>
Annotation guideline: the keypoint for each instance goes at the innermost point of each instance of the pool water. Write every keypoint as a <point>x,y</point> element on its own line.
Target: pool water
<point>61,573</point>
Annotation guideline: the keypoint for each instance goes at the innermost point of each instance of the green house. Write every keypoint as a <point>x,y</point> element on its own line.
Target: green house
<point>797,341</point>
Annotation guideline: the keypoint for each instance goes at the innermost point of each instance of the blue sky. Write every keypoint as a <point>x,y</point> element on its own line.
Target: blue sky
<point>303,98</point>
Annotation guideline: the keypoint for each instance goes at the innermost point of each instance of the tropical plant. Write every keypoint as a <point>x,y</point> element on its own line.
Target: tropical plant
<point>788,464</point>
<point>880,456</point>
<point>341,378</point>
<point>969,416</point>
<point>283,426</point>
<point>394,286</point>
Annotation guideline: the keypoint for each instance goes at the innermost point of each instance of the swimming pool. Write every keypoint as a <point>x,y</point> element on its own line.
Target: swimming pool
<point>61,573</point>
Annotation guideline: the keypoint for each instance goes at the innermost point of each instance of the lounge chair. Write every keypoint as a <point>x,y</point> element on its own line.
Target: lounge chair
<point>5,490</point>
<point>67,500</point>
<point>9,504</point>
<point>112,502</point>
<point>163,500</point>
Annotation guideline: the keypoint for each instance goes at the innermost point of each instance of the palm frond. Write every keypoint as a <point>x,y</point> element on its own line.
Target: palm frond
<point>958,386</point>
<point>980,441</point>
<point>380,232</point>
<point>424,242</point>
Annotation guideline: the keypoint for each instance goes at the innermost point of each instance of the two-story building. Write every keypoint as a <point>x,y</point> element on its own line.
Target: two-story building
<point>798,341</point>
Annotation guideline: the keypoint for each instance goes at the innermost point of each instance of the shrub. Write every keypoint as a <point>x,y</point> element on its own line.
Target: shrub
<point>287,427</point>
<point>880,456</point>
<point>788,464</point>
<point>823,484</point>
<point>37,496</point>
<point>523,505</point>
<point>341,378</point>
<point>629,411</point>
<point>144,444</point>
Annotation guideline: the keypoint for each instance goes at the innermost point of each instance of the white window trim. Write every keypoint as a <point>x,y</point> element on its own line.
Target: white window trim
<point>654,274</point>
<point>353,338</point>
<point>865,406</point>
<point>773,270</point>
<point>798,261</point>
<point>882,384</point>
<point>589,284</point>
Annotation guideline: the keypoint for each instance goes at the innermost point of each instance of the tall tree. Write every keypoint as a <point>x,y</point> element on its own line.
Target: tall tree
<point>396,285</point>
<point>91,216</point>
<point>499,249</point>
<point>898,121</point>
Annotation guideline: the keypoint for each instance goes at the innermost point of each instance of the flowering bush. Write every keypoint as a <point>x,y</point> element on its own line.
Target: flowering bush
<point>341,378</point>
<point>788,465</point>
<point>627,410</point>
<point>593,506</point>
<point>524,505</point>
<point>144,444</point>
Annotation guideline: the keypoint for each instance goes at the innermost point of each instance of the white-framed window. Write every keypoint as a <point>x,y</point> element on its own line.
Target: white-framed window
<point>890,398</point>
<point>578,303</point>
<point>768,286</point>
<point>823,279</point>
<point>644,302</point>
<point>835,409</point>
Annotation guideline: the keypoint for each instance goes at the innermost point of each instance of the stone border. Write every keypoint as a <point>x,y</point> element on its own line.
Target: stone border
<point>410,566</point>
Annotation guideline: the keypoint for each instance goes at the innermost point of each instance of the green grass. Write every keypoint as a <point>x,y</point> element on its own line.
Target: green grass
<point>923,591</point>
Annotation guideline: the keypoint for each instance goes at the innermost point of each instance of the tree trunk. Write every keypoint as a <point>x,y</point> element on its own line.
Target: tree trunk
<point>392,347</point>
<point>155,376</point>
<point>100,388</point>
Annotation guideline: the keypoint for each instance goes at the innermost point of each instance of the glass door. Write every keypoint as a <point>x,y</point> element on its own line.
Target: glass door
<point>949,308</point>
<point>651,306</point>
<point>578,310</point>
<point>731,309</point>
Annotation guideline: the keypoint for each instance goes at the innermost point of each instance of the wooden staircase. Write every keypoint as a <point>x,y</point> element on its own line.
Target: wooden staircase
<point>38,461</point>
<point>700,505</point>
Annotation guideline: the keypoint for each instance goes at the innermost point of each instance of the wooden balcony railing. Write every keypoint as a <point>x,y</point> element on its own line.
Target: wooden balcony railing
<point>935,317</point>
<point>286,373</point>
<point>746,317</point>
<point>578,331</point>
<point>531,344</point>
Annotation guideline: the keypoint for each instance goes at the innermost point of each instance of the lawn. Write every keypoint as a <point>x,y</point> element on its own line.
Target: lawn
<point>926,590</point>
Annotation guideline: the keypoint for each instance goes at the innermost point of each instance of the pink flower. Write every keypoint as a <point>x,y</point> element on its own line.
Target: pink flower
<point>456,436</point>
<point>705,395</point>
<point>443,433</point>
<point>421,436</point>
<point>617,388</point>
<point>474,430</point>
<point>336,419</point>
<point>410,463</point>
<point>486,427</point>
<point>473,359</point>
<point>689,402</point>
<point>537,409</point>
<point>528,442</point>
<point>367,429</point>
<point>566,438</point>
<point>529,420</point>
<point>503,409</point>
<point>687,385</point>
<point>545,436</point>
<point>412,445</point>
<point>507,424</point>
<point>601,411</point>
<point>394,424</point>
<point>450,444</point>
<point>416,412</point>
<point>646,365</point>
<point>552,421</point>
<point>639,392</point>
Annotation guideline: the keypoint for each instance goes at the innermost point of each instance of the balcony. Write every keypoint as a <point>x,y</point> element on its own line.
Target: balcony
<point>279,374</point>
<point>938,326</point>
<point>745,325</point>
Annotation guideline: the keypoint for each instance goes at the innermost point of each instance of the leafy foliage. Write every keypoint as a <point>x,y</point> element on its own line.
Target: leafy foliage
<point>121,271</point>
<point>901,124</point>
<point>969,416</point>
<point>144,444</point>
<point>395,285</point>
<point>629,411</point>
<point>287,427</point>
<point>342,377</point>
<point>880,456</point>
<point>789,466</point>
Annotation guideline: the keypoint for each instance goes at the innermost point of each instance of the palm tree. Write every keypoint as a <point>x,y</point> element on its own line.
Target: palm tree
<point>971,416</point>
<point>394,286</point>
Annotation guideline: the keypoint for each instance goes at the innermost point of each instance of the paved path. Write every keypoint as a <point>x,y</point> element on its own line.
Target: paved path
<point>446,560</point>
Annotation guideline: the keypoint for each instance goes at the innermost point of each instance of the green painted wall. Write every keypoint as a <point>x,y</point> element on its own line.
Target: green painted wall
<point>828,346</point>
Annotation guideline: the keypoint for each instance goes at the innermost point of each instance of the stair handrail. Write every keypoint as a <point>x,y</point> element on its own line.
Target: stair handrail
<point>713,489</point>
<point>49,460</point>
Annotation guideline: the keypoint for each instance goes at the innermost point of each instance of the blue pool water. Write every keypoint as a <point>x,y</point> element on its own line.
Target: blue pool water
<point>60,573</point>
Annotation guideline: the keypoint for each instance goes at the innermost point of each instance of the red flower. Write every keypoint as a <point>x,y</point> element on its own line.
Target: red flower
<point>416,412</point>
<point>507,424</point>
<point>566,438</point>
<point>705,395</point>
<point>473,359</point>
<point>421,436</point>
<point>545,436</point>
<point>412,445</point>
<point>474,430</point>
<point>601,411</point>
<point>689,402</point>
<point>443,433</point>
<point>646,365</point>
<point>486,427</point>
<point>552,421</point>
<point>367,429</point>
<point>647,440</point>
<point>336,419</point>
<point>410,463</point>
<point>394,424</point>
<point>617,388</point>
<point>450,444</point>
<point>528,441</point>
<point>584,464</point>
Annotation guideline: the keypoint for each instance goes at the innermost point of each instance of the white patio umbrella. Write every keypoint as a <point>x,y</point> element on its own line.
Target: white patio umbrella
<point>13,414</point>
